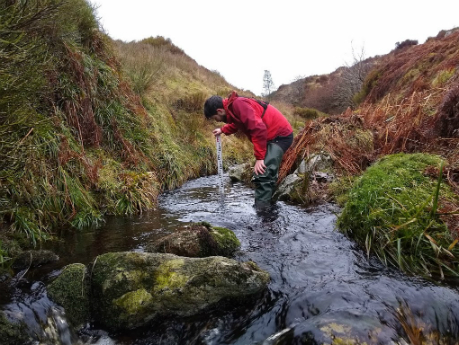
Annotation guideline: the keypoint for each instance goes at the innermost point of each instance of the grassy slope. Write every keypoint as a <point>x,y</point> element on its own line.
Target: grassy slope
<point>409,105</point>
<point>92,127</point>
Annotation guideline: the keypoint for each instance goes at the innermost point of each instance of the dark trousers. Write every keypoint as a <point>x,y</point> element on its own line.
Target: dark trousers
<point>265,184</point>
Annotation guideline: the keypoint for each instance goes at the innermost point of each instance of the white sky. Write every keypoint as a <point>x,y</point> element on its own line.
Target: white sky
<point>290,38</point>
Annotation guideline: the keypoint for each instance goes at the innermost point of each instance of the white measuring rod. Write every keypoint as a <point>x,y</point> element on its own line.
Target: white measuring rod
<point>220,166</point>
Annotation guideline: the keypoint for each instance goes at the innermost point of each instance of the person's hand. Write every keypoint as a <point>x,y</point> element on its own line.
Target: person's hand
<point>217,131</point>
<point>259,167</point>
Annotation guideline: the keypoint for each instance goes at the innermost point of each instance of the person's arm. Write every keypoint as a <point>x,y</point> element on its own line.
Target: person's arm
<point>229,128</point>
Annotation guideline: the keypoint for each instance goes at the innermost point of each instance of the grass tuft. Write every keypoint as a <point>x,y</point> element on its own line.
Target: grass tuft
<point>392,210</point>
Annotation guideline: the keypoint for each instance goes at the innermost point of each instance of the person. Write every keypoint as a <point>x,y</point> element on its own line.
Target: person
<point>266,127</point>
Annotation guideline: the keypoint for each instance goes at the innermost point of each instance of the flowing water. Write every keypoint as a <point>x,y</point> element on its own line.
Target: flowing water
<point>321,283</point>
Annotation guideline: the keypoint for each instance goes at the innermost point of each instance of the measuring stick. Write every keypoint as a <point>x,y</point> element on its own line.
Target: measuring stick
<point>220,166</point>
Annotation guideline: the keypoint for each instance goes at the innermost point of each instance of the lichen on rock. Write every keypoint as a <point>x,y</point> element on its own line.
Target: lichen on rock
<point>168,286</point>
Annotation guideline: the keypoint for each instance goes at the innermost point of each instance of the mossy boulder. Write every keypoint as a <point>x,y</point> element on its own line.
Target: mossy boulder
<point>198,240</point>
<point>71,291</point>
<point>12,333</point>
<point>131,289</point>
<point>33,258</point>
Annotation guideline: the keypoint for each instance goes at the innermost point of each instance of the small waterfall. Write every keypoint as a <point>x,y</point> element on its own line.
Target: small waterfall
<point>57,328</point>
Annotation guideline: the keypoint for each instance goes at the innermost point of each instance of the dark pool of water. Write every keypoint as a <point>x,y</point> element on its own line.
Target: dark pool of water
<point>320,280</point>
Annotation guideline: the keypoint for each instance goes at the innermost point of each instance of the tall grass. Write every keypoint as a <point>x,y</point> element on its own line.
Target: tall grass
<point>392,211</point>
<point>89,128</point>
<point>61,101</point>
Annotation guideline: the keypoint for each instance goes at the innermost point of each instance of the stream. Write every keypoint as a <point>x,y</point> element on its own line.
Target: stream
<point>321,282</point>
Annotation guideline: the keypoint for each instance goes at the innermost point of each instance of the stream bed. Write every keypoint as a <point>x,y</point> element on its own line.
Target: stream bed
<point>323,287</point>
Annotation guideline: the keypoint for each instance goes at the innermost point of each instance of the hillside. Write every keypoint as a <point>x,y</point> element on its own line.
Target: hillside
<point>408,100</point>
<point>395,158</point>
<point>92,127</point>
<point>328,93</point>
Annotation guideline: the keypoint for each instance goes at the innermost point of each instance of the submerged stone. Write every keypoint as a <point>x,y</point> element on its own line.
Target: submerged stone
<point>198,240</point>
<point>130,289</point>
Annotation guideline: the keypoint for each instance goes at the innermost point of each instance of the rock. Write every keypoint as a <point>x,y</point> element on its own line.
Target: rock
<point>197,240</point>
<point>343,329</point>
<point>33,258</point>
<point>239,172</point>
<point>130,289</point>
<point>301,186</point>
<point>12,333</point>
<point>287,186</point>
<point>71,290</point>
<point>322,177</point>
<point>316,162</point>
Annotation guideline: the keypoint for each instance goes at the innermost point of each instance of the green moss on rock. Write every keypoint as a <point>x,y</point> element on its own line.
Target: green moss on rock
<point>198,240</point>
<point>167,277</point>
<point>12,333</point>
<point>227,242</point>
<point>168,285</point>
<point>71,291</point>
<point>134,306</point>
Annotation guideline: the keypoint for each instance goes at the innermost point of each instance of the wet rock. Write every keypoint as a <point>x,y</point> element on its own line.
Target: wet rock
<point>198,240</point>
<point>283,337</point>
<point>33,258</point>
<point>71,291</point>
<point>12,333</point>
<point>4,277</point>
<point>346,328</point>
<point>131,289</point>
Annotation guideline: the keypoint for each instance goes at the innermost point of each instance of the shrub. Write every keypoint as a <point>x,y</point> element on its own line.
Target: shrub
<point>443,77</point>
<point>405,43</point>
<point>306,113</point>
<point>160,41</point>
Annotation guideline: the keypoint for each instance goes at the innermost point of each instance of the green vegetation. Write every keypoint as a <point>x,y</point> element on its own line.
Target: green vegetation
<point>393,211</point>
<point>12,333</point>
<point>308,113</point>
<point>368,84</point>
<point>71,290</point>
<point>340,188</point>
<point>442,78</point>
<point>91,127</point>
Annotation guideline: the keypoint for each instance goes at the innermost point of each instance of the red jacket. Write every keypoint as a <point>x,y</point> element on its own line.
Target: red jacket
<point>244,114</point>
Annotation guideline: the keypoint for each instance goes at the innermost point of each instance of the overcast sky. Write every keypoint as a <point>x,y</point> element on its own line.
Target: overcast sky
<point>241,39</point>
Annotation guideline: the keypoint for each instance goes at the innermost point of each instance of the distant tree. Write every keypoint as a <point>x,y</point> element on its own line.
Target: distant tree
<point>351,81</point>
<point>298,89</point>
<point>268,85</point>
